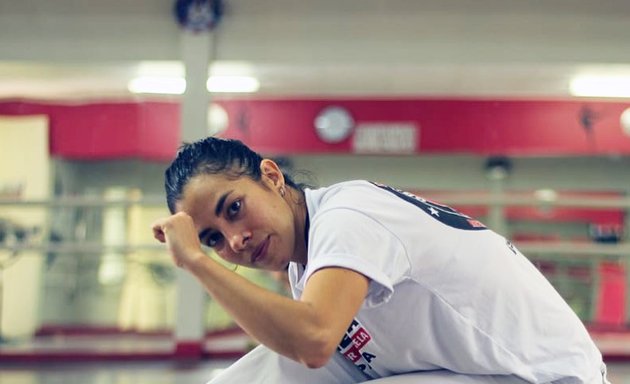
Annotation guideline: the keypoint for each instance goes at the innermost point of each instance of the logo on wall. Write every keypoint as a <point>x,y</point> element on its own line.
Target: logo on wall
<point>198,15</point>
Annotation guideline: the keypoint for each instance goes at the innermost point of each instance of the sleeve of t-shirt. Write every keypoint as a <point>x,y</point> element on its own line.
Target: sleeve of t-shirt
<point>346,238</point>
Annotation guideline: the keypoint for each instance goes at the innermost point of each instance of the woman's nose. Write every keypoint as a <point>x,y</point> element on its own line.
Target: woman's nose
<point>238,240</point>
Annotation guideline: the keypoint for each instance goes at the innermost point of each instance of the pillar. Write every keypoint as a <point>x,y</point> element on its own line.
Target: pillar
<point>191,298</point>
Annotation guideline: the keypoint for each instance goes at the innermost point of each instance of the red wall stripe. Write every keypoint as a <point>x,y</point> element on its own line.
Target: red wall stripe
<point>150,129</point>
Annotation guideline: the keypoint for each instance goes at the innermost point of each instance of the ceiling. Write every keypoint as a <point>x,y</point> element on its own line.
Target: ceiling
<point>67,49</point>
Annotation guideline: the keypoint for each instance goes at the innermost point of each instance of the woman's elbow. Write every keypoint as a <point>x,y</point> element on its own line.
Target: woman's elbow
<point>318,354</point>
<point>315,362</point>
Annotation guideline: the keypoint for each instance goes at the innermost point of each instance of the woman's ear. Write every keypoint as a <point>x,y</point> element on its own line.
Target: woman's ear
<point>271,171</point>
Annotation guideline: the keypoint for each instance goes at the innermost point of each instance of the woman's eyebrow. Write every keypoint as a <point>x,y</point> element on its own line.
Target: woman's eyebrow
<point>221,202</point>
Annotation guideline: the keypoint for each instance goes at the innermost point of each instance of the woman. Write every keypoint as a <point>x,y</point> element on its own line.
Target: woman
<point>386,285</point>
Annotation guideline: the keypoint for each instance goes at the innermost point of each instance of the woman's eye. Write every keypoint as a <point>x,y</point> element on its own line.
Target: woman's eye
<point>213,239</point>
<point>234,208</point>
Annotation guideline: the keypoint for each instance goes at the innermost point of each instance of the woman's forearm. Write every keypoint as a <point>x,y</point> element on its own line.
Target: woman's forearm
<point>292,328</point>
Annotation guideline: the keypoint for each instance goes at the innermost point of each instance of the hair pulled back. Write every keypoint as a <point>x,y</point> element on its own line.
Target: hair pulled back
<point>211,156</point>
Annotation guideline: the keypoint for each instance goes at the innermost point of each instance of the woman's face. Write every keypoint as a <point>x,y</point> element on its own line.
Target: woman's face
<point>246,222</point>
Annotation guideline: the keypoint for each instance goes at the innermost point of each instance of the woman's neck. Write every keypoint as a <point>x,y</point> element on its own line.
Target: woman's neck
<point>297,201</point>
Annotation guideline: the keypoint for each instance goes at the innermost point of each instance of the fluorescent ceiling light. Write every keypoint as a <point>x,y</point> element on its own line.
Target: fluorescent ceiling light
<point>162,85</point>
<point>601,86</point>
<point>546,195</point>
<point>177,85</point>
<point>232,84</point>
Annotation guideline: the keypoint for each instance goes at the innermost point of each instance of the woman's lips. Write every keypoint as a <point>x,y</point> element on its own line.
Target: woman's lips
<point>261,251</point>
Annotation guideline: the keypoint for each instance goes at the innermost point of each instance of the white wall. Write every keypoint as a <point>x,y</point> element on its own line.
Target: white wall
<point>23,160</point>
<point>433,172</point>
<point>466,172</point>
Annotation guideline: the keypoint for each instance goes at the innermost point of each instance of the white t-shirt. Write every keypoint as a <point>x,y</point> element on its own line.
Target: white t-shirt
<point>445,292</point>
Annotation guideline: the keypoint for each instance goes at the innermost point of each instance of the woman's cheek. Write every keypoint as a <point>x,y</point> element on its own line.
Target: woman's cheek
<point>221,252</point>
<point>228,256</point>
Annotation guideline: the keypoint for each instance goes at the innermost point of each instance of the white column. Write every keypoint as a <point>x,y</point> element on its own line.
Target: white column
<point>196,48</point>
<point>496,210</point>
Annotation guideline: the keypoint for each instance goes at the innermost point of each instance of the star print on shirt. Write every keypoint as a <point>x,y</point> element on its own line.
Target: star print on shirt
<point>437,211</point>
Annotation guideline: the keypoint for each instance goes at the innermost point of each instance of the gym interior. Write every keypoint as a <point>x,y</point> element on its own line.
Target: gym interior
<point>515,113</point>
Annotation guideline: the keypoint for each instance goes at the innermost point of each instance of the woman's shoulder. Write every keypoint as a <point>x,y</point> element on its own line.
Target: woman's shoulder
<point>361,197</point>
<point>349,186</point>
<point>338,194</point>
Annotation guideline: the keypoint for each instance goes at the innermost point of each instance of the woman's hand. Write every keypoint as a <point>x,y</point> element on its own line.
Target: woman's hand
<point>179,233</point>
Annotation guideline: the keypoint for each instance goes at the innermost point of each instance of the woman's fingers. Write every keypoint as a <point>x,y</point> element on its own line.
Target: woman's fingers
<point>161,226</point>
<point>179,233</point>
<point>158,233</point>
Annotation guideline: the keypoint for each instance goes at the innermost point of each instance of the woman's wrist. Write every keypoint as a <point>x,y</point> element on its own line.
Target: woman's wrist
<point>197,261</point>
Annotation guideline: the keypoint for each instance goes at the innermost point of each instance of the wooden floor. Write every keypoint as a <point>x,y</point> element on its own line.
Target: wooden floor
<point>153,372</point>
<point>124,359</point>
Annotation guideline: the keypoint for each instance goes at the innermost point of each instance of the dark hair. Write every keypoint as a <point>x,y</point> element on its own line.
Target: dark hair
<point>210,156</point>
